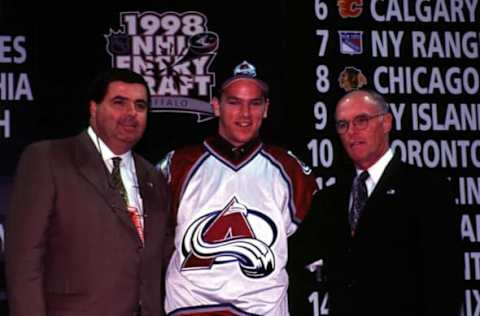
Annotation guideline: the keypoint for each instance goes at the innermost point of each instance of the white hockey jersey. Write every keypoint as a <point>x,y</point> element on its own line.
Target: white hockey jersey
<point>233,219</point>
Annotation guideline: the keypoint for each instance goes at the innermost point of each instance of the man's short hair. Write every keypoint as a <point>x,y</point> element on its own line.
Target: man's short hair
<point>379,100</point>
<point>99,86</point>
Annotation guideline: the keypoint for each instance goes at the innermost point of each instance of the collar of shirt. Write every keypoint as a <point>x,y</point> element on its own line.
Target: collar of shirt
<point>376,170</point>
<point>107,154</point>
<point>230,152</point>
<point>127,170</point>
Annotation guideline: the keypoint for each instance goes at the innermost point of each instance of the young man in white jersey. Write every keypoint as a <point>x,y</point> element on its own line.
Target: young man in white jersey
<point>236,201</point>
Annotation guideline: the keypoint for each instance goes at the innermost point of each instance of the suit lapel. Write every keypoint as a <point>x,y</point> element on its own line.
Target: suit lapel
<point>342,204</point>
<point>387,185</point>
<point>145,184</point>
<point>148,192</point>
<point>385,190</point>
<point>90,164</point>
<point>93,169</point>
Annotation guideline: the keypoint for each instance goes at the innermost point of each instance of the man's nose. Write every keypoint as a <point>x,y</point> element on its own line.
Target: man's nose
<point>131,109</point>
<point>245,109</point>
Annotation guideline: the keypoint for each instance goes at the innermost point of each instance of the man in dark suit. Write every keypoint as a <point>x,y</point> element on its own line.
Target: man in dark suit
<point>390,241</point>
<point>80,240</point>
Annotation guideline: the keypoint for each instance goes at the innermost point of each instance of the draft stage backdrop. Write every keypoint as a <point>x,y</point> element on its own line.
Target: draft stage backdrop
<point>423,55</point>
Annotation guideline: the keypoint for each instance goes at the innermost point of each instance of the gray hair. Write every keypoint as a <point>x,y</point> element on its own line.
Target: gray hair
<point>383,106</point>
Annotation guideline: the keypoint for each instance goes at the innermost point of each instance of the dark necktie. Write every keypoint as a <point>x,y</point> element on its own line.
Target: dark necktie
<point>359,198</point>
<point>132,212</point>
<point>117,179</point>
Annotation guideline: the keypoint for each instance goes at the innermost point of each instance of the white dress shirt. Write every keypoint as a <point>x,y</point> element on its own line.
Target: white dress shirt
<point>376,170</point>
<point>127,170</point>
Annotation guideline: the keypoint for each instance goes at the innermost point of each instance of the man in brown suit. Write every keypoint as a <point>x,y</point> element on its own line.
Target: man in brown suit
<point>72,247</point>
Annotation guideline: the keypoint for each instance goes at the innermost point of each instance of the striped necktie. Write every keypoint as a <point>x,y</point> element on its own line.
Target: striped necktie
<point>132,212</point>
<point>117,179</point>
<point>359,199</point>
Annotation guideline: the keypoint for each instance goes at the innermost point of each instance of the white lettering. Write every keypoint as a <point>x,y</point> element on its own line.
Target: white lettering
<point>397,113</point>
<point>5,124</point>
<point>460,117</point>
<point>470,228</point>
<point>423,10</point>
<point>166,45</point>
<point>472,303</point>
<point>15,86</point>
<point>422,80</point>
<point>439,153</point>
<point>156,72</point>
<point>9,45</point>
<point>445,44</point>
<point>468,191</point>
<point>380,42</point>
<point>472,266</point>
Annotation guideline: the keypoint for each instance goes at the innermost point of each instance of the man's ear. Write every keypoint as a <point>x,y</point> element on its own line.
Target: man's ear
<point>387,122</point>
<point>216,106</point>
<point>267,105</point>
<point>93,110</point>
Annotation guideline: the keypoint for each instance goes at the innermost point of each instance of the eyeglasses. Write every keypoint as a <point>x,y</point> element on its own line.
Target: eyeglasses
<point>360,122</point>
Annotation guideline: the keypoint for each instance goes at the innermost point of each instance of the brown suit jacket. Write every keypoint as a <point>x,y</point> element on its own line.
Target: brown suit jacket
<point>71,248</point>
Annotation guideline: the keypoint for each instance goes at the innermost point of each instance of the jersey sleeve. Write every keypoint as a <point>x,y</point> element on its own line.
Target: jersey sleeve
<point>176,167</point>
<point>301,180</point>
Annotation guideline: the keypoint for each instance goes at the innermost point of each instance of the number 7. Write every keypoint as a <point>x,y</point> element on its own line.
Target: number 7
<point>323,41</point>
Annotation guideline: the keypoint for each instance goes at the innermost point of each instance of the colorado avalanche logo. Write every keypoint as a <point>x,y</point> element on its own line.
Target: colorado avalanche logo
<point>228,236</point>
